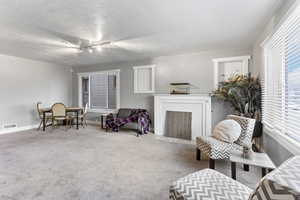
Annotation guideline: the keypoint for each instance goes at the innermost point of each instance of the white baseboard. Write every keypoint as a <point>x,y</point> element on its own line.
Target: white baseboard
<point>93,122</point>
<point>18,129</point>
<point>98,123</point>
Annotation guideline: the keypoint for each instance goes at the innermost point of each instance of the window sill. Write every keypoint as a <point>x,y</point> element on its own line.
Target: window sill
<point>287,142</point>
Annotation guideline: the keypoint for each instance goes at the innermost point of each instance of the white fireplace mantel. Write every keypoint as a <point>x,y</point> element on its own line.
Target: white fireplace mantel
<point>198,105</point>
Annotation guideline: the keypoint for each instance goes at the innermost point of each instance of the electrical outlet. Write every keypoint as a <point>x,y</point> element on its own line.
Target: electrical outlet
<point>8,126</point>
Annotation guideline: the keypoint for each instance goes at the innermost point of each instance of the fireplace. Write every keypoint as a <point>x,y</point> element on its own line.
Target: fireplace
<point>198,107</point>
<point>178,125</point>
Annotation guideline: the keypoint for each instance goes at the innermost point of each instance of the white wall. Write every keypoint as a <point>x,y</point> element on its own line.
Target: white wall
<point>24,82</point>
<point>196,68</point>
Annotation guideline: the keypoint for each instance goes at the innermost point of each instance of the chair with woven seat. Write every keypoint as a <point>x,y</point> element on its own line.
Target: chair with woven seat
<point>215,149</point>
<point>40,113</point>
<point>59,114</point>
<point>82,117</point>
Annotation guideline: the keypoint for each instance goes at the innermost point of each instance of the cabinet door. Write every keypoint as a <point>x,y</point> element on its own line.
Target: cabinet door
<point>232,68</point>
<point>225,68</point>
<point>144,79</point>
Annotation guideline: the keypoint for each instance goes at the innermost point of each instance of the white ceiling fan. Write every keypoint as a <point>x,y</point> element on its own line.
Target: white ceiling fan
<point>84,45</point>
<point>91,46</point>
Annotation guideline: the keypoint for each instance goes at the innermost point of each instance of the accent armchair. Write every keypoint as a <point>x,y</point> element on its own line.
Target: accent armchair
<point>282,183</point>
<point>219,150</point>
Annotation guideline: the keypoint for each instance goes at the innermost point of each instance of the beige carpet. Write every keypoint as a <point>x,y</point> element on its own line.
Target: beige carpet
<point>91,164</point>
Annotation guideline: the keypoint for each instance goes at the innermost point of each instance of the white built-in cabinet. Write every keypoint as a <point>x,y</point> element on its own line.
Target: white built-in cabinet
<point>224,68</point>
<point>144,79</point>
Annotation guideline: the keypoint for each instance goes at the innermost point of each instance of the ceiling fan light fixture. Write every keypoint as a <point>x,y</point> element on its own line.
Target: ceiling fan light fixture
<point>99,48</point>
<point>99,37</point>
<point>90,50</point>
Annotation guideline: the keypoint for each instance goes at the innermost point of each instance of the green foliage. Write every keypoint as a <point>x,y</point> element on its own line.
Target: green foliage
<point>243,93</point>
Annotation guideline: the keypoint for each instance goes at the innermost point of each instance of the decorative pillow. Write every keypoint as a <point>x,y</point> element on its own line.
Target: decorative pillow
<point>227,131</point>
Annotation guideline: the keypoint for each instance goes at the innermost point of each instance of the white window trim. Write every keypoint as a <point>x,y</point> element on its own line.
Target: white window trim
<point>87,74</point>
<point>284,140</point>
<point>136,68</point>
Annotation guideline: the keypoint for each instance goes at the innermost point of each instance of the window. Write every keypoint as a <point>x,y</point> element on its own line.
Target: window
<point>281,82</point>
<point>99,90</point>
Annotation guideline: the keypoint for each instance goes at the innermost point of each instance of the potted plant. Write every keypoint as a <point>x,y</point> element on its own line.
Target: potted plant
<point>243,92</point>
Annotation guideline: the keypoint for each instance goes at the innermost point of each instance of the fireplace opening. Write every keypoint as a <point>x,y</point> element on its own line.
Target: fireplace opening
<point>178,125</point>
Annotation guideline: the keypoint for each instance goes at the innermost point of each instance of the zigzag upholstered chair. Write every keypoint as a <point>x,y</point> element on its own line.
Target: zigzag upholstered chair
<point>219,150</point>
<point>207,184</point>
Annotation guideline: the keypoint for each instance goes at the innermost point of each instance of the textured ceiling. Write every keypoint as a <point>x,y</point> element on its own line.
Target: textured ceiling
<point>45,29</point>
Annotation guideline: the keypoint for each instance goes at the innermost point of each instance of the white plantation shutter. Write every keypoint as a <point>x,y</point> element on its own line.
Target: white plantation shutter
<point>99,86</point>
<point>281,82</point>
<point>103,90</point>
<point>274,82</point>
<point>112,91</point>
<point>292,75</point>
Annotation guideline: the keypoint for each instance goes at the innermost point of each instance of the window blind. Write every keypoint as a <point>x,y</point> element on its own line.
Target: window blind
<point>112,91</point>
<point>292,75</point>
<point>99,87</point>
<point>281,80</point>
<point>103,90</point>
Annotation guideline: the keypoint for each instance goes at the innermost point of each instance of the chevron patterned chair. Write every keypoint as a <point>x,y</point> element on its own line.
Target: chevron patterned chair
<point>218,150</point>
<point>281,184</point>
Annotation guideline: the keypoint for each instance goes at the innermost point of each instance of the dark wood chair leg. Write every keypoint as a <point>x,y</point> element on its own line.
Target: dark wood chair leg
<point>41,123</point>
<point>211,163</point>
<point>233,170</point>
<point>102,122</point>
<point>77,120</point>
<point>263,172</point>
<point>44,121</point>
<point>246,168</point>
<point>82,122</point>
<point>198,154</point>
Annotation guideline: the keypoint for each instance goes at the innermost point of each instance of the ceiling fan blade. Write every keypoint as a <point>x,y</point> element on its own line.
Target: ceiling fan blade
<point>136,37</point>
<point>69,40</point>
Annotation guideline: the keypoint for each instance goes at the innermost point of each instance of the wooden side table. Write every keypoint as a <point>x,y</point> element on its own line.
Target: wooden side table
<point>258,159</point>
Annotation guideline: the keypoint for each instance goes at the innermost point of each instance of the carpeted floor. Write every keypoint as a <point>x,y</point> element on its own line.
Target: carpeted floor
<point>91,164</point>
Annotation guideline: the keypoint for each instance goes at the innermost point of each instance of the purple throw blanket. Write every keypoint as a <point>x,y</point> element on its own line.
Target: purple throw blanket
<point>140,116</point>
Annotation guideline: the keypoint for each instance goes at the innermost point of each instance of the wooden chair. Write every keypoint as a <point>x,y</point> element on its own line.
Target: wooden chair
<point>82,117</point>
<point>59,114</point>
<point>48,115</point>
